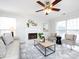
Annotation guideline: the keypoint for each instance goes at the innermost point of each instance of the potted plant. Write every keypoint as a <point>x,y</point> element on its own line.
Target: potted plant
<point>41,37</point>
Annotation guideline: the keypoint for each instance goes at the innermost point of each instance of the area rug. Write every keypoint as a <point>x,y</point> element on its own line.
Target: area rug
<point>29,51</point>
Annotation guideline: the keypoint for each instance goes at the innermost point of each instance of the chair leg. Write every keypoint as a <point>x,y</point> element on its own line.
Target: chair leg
<point>71,47</point>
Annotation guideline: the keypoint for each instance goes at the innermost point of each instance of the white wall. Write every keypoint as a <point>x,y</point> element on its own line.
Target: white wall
<point>67,16</point>
<point>21,28</point>
<point>52,26</point>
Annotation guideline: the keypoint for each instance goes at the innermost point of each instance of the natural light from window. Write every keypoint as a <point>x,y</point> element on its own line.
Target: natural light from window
<point>7,24</point>
<point>70,26</point>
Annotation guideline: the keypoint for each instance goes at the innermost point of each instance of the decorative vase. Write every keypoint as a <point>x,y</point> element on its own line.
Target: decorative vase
<point>43,39</point>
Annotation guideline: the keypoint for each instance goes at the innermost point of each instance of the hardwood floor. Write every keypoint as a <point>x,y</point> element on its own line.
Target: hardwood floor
<point>29,51</point>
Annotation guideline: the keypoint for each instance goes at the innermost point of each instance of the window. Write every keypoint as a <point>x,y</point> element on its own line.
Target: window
<point>69,26</point>
<point>61,28</point>
<point>7,24</point>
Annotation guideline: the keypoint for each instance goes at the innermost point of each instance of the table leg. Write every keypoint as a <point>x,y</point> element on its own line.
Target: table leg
<point>45,51</point>
<point>55,47</point>
<point>34,42</point>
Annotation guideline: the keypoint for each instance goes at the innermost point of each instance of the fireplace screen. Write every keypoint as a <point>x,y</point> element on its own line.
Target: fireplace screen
<point>32,35</point>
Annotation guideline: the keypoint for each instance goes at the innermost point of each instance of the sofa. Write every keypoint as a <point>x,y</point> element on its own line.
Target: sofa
<point>9,47</point>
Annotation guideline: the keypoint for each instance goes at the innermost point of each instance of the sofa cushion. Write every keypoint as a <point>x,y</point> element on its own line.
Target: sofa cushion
<point>7,38</point>
<point>69,42</point>
<point>2,48</point>
<point>12,50</point>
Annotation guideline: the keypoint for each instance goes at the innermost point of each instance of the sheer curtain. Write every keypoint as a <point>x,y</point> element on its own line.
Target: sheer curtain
<point>61,28</point>
<point>6,24</point>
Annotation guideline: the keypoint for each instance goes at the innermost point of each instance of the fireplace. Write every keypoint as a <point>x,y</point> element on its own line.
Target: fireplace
<point>32,35</point>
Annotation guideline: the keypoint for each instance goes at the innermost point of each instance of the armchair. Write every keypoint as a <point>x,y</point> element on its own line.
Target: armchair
<point>52,37</point>
<point>70,39</point>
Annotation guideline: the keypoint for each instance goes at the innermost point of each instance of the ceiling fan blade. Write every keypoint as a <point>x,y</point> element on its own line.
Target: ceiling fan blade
<point>55,9</point>
<point>55,2</point>
<point>39,10</point>
<point>39,2</point>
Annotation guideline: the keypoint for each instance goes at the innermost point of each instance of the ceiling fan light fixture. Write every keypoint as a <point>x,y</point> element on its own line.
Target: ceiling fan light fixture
<point>48,6</point>
<point>47,3</point>
<point>47,11</point>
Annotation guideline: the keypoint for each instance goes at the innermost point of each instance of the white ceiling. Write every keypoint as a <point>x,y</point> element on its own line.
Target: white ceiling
<point>28,7</point>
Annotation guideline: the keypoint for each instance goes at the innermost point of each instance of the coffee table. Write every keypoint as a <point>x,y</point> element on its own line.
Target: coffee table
<point>45,45</point>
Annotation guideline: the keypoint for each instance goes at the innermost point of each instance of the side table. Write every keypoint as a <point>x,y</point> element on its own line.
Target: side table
<point>58,41</point>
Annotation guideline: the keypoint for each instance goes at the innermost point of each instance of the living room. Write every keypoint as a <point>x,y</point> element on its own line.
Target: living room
<point>19,18</point>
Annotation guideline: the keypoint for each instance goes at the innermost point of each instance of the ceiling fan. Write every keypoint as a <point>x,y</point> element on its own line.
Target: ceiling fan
<point>48,7</point>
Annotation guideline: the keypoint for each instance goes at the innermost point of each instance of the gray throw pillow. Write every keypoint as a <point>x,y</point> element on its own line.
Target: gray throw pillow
<point>7,38</point>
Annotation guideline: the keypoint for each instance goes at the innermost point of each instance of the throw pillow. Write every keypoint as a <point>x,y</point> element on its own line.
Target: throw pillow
<point>69,36</point>
<point>7,37</point>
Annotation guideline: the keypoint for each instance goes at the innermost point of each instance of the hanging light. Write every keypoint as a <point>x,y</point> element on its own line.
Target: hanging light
<point>48,8</point>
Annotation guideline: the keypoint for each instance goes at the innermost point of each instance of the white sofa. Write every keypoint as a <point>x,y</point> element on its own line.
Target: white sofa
<point>12,50</point>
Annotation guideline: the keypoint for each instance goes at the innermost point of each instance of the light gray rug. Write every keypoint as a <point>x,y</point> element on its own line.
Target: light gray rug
<point>29,51</point>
